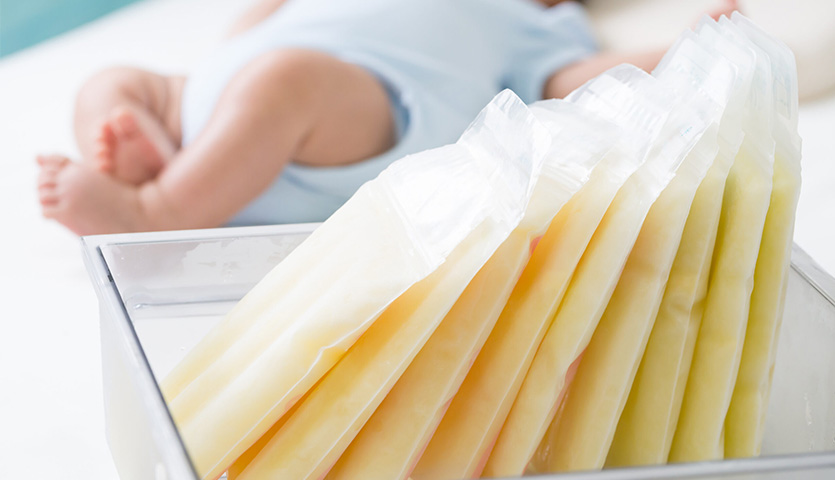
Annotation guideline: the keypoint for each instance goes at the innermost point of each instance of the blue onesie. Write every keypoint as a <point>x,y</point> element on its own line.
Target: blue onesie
<point>440,60</point>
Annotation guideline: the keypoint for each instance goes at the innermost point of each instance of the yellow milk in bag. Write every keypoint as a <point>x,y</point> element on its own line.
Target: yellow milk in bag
<point>392,440</point>
<point>707,396</point>
<point>646,426</point>
<point>746,415</point>
<point>298,321</point>
<point>310,440</point>
<point>463,440</point>
<point>607,316</point>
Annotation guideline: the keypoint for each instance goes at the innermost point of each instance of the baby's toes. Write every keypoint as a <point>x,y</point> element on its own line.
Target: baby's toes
<point>47,191</point>
<point>48,181</point>
<point>48,199</point>
<point>52,162</point>
<point>51,209</point>
<point>106,138</point>
<point>123,122</point>
<point>105,147</point>
<point>46,178</point>
<point>44,161</point>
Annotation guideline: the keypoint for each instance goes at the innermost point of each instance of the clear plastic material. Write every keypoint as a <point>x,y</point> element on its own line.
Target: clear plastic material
<point>308,312</point>
<point>427,330</point>
<point>542,390</point>
<point>646,426</point>
<point>604,377</point>
<point>315,435</point>
<point>616,95</point>
<point>745,423</point>
<point>311,439</point>
<point>160,292</point>
<point>591,289</point>
<point>743,60</point>
<point>471,424</point>
<point>690,70</point>
<point>700,430</point>
<point>392,440</point>
<point>653,408</point>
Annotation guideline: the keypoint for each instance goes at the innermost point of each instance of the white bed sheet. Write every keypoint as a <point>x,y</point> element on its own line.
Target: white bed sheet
<point>50,383</point>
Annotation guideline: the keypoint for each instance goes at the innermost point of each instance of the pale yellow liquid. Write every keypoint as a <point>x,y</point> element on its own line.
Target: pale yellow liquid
<point>260,303</point>
<point>746,415</point>
<point>241,462</point>
<point>388,445</point>
<point>463,439</point>
<point>584,430</point>
<point>312,439</point>
<point>700,431</point>
<point>646,426</point>
<point>572,327</point>
<point>303,316</point>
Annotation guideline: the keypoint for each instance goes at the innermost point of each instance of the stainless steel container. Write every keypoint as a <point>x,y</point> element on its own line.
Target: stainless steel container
<point>159,293</point>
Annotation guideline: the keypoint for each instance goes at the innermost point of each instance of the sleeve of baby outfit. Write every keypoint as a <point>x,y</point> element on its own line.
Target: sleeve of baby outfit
<point>555,37</point>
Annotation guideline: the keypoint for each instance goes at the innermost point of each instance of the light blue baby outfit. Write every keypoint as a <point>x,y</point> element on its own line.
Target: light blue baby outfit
<point>441,61</point>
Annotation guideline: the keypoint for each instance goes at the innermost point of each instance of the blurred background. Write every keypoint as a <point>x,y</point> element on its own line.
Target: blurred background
<point>50,381</point>
<point>25,23</point>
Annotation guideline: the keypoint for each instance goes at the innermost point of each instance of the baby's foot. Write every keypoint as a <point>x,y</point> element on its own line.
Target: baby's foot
<point>83,199</point>
<point>132,147</point>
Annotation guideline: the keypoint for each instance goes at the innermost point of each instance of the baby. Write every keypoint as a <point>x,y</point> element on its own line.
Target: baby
<point>305,102</point>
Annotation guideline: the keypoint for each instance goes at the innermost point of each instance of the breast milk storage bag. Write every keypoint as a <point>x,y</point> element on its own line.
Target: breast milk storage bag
<point>470,426</point>
<point>392,440</point>
<point>648,216</point>
<point>700,430</point>
<point>596,281</point>
<point>646,426</point>
<point>314,436</point>
<point>746,414</point>
<point>300,320</point>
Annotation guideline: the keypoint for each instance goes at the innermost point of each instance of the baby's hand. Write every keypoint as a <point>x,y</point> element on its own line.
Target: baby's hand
<point>727,7</point>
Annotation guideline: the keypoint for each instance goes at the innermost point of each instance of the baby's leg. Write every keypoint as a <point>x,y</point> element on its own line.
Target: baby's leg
<point>292,105</point>
<point>127,122</point>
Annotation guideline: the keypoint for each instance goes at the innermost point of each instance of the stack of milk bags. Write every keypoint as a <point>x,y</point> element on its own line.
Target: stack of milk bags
<point>573,284</point>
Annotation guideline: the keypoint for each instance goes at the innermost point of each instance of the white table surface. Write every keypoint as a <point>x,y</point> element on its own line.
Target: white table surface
<point>51,419</point>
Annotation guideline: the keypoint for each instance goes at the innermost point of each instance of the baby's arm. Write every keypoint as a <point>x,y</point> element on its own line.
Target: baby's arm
<point>568,78</point>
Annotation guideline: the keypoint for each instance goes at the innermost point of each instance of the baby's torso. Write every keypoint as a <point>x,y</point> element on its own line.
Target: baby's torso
<point>461,50</point>
<point>443,60</point>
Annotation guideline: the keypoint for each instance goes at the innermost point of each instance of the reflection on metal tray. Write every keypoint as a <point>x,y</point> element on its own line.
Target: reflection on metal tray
<point>159,293</point>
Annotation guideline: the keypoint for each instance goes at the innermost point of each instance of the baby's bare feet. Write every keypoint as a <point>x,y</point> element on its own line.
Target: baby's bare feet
<point>131,147</point>
<point>82,198</point>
